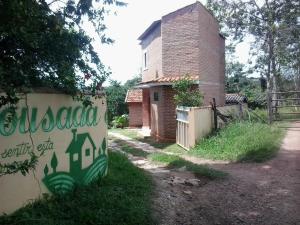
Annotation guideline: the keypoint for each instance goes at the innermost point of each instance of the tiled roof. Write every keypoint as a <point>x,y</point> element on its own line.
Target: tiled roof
<point>170,79</point>
<point>235,98</point>
<point>134,95</point>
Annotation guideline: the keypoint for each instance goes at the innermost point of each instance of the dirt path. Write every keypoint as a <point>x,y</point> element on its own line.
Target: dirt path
<point>254,193</point>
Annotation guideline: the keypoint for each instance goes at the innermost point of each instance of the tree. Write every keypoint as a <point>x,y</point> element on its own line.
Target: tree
<point>116,94</point>
<point>42,43</point>
<point>116,105</point>
<point>272,24</point>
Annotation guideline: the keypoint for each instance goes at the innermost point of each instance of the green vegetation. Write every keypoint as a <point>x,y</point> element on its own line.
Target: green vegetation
<point>123,197</point>
<point>132,150</point>
<point>241,141</point>
<point>186,93</point>
<point>174,161</point>
<point>120,121</point>
<point>166,147</point>
<point>116,94</point>
<point>127,132</point>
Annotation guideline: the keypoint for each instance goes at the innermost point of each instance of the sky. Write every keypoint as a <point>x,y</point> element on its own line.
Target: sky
<point>124,56</point>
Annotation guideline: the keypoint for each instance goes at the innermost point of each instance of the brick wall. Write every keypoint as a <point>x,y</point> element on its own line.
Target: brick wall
<point>146,108</point>
<point>212,58</point>
<point>163,121</point>
<point>180,42</point>
<point>135,114</point>
<point>152,45</point>
<point>191,44</point>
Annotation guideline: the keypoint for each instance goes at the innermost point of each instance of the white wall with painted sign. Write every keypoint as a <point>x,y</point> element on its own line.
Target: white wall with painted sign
<point>70,140</point>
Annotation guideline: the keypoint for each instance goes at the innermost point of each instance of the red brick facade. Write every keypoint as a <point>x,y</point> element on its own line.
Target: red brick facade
<point>135,114</point>
<point>146,108</point>
<point>186,41</point>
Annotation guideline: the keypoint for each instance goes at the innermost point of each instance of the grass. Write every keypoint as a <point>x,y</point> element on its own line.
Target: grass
<point>174,161</point>
<point>166,147</point>
<point>129,149</point>
<point>127,132</point>
<point>123,197</point>
<point>241,141</point>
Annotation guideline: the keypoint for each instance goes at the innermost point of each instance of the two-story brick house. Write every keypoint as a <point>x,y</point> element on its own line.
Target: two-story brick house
<point>186,41</point>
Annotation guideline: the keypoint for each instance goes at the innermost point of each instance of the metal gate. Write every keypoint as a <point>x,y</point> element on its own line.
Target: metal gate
<point>182,131</point>
<point>284,106</point>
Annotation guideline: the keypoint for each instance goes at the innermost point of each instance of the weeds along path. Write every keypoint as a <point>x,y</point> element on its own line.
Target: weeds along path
<point>175,194</point>
<point>266,193</point>
<point>254,193</point>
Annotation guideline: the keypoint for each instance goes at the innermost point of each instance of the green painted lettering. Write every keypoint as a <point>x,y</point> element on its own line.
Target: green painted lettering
<point>48,121</point>
<point>8,122</point>
<point>24,120</point>
<point>62,121</point>
<point>91,116</point>
<point>83,117</point>
<point>76,117</point>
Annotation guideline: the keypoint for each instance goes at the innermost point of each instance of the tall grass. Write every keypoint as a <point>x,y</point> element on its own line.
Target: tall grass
<point>241,141</point>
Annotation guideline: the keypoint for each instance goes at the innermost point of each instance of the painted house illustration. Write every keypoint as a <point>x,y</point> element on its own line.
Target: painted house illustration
<point>85,164</point>
<point>81,151</point>
<point>186,41</point>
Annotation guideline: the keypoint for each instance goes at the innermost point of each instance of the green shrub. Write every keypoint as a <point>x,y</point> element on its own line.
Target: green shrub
<point>186,94</point>
<point>120,121</point>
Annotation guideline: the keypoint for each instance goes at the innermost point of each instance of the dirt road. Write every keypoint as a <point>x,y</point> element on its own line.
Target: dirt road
<point>254,193</point>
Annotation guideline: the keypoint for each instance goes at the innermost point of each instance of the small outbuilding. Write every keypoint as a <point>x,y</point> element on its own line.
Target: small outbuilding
<point>134,99</point>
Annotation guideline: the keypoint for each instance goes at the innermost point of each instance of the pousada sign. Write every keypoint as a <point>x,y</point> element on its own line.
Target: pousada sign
<point>63,118</point>
<point>70,140</point>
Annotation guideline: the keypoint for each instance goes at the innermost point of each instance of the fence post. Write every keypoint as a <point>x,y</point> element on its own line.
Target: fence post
<point>214,107</point>
<point>269,105</point>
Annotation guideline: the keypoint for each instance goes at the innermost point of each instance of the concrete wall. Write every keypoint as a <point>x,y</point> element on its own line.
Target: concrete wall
<point>135,114</point>
<point>199,122</point>
<point>152,45</point>
<point>69,139</point>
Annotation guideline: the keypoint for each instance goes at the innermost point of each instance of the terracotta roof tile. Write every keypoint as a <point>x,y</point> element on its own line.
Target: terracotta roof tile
<point>169,79</point>
<point>134,95</point>
<point>235,98</point>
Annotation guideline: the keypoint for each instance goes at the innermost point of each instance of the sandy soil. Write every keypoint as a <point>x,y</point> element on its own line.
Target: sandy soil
<point>254,193</point>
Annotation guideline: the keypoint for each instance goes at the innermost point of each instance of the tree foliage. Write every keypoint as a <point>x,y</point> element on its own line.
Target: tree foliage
<point>116,94</point>
<point>43,44</point>
<point>273,26</point>
<point>187,93</point>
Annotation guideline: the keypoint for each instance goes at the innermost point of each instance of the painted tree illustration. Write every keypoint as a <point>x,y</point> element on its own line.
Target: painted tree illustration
<point>54,162</point>
<point>103,145</point>
<point>46,170</point>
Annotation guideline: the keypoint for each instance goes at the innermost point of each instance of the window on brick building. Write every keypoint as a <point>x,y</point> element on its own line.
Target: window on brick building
<point>155,96</point>
<point>145,60</point>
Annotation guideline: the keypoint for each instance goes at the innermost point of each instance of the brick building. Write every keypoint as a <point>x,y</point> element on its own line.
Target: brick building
<point>134,101</point>
<point>186,41</point>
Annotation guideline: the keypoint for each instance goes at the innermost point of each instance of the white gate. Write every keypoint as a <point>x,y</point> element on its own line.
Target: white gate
<point>182,131</point>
